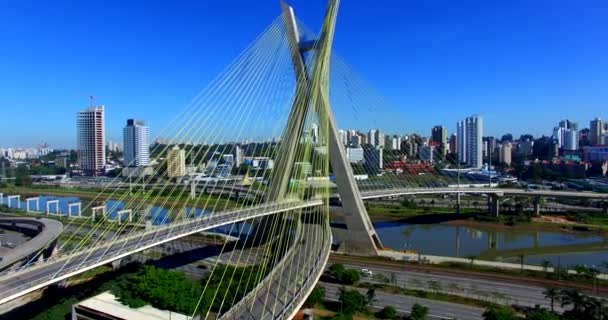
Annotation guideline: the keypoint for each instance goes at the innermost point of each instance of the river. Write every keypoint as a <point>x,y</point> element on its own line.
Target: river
<point>502,244</point>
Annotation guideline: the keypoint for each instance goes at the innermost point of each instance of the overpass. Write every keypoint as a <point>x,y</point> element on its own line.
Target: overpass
<point>14,284</point>
<point>384,193</point>
<point>46,231</point>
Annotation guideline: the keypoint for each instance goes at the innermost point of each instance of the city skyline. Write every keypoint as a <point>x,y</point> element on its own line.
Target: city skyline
<point>130,82</point>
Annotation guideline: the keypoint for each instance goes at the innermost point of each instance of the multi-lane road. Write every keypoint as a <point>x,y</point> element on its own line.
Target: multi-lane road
<point>403,304</point>
<point>498,291</point>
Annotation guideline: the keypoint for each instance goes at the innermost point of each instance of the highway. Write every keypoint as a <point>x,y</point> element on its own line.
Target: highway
<point>498,291</point>
<point>403,304</point>
<point>18,283</point>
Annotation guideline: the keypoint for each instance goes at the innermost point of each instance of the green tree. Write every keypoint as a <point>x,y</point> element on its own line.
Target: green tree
<point>163,289</point>
<point>581,269</point>
<point>351,301</point>
<point>546,265</point>
<point>499,313</point>
<point>371,297</point>
<point>471,258</point>
<point>316,297</point>
<point>552,294</point>
<point>388,312</point>
<point>419,312</point>
<point>542,315</point>
<point>574,298</point>
<point>350,276</point>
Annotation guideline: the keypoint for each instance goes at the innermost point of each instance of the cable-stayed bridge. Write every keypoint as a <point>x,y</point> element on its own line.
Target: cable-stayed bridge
<point>279,86</point>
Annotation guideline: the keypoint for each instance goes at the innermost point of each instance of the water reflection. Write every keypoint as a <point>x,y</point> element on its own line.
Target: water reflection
<point>495,244</point>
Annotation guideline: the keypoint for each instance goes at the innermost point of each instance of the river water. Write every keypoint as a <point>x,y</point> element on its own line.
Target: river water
<point>561,248</point>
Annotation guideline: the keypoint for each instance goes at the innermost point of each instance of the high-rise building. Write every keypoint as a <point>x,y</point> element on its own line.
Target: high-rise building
<point>343,137</point>
<point>373,158</point>
<point>91,144</point>
<point>176,163</point>
<point>136,142</point>
<point>396,142</point>
<point>505,153</point>
<point>238,156</point>
<point>439,135</point>
<point>314,132</point>
<point>375,137</point>
<point>571,142</point>
<point>453,143</point>
<point>469,133</point>
<point>596,131</point>
<point>560,133</point>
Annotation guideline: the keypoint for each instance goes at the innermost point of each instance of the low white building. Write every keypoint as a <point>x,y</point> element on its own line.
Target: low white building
<point>105,306</point>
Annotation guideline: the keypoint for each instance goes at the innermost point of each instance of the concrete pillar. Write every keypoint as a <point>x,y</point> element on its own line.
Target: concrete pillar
<point>9,198</point>
<point>75,204</point>
<point>537,206</point>
<point>122,212</point>
<point>1,197</point>
<point>94,210</point>
<point>116,264</point>
<point>48,206</point>
<point>493,204</point>
<point>27,203</point>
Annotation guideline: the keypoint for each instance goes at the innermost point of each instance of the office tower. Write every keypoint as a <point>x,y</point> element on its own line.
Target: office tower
<point>176,163</point>
<point>571,142</point>
<point>439,135</point>
<point>136,142</point>
<point>469,143</point>
<point>505,153</point>
<point>596,131</point>
<point>91,144</point>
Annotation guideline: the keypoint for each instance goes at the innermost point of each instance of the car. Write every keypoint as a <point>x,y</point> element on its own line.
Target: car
<point>367,272</point>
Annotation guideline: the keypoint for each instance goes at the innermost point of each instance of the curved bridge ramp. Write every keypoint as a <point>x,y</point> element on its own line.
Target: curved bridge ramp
<point>46,230</point>
<point>284,290</point>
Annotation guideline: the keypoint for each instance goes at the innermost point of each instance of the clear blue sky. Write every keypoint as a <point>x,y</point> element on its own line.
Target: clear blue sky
<point>523,65</point>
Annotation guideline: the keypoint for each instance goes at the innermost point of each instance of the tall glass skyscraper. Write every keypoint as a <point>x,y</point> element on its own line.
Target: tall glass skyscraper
<point>136,139</point>
<point>470,148</point>
<point>91,141</point>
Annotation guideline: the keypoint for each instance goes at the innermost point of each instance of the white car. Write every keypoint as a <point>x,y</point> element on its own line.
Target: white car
<point>367,272</point>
